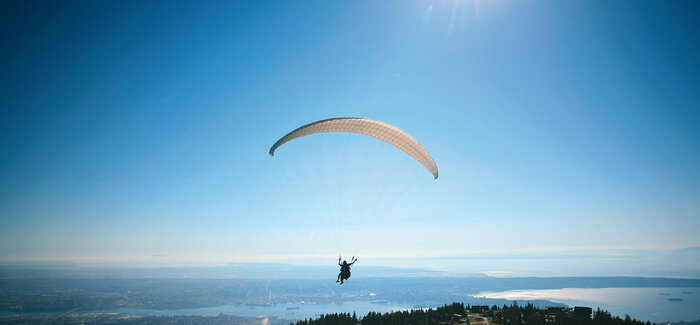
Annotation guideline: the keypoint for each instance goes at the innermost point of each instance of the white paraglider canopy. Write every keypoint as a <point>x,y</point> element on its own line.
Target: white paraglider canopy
<point>373,128</point>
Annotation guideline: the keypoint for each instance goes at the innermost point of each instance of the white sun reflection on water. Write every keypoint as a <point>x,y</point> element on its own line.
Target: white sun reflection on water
<point>654,304</point>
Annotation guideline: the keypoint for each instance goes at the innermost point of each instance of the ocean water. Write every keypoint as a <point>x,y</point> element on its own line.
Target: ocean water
<point>651,304</point>
<point>286,311</point>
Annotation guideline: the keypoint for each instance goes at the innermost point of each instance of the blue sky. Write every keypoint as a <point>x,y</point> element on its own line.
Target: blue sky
<point>135,129</point>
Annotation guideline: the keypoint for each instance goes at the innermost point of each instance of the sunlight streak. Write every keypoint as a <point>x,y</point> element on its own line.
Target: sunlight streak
<point>428,15</point>
<point>453,17</point>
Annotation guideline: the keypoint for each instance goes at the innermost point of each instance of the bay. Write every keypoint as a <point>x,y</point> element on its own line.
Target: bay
<point>285,311</point>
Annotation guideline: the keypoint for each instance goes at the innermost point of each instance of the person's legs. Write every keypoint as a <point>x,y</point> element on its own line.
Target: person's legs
<point>339,274</point>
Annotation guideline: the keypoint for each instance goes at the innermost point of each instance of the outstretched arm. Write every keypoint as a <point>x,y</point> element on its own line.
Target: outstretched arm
<point>353,260</point>
<point>339,261</point>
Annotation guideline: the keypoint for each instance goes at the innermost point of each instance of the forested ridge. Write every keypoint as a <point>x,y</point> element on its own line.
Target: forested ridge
<point>458,313</point>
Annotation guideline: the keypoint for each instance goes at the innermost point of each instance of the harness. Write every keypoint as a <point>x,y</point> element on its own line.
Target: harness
<point>345,271</point>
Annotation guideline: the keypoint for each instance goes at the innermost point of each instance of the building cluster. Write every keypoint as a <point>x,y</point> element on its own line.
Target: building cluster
<point>551,313</point>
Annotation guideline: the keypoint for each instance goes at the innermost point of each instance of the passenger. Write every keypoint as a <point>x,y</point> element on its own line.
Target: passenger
<point>345,269</point>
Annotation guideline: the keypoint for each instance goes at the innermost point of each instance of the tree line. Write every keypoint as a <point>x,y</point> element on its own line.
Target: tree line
<point>456,313</point>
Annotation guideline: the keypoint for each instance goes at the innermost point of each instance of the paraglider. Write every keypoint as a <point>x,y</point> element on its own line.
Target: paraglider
<point>345,269</point>
<point>373,128</point>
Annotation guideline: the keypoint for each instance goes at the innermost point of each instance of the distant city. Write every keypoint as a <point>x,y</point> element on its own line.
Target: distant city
<point>69,292</point>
